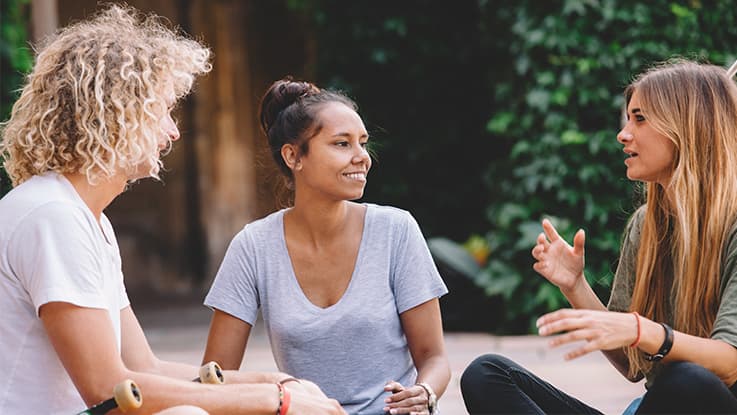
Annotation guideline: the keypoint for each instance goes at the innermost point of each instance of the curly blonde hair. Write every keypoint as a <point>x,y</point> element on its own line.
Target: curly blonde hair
<point>93,101</point>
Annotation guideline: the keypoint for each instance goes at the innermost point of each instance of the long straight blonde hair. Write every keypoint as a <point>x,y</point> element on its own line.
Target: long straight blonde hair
<point>687,223</point>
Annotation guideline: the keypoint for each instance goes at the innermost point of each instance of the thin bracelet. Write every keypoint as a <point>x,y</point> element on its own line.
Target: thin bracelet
<point>637,339</point>
<point>289,379</point>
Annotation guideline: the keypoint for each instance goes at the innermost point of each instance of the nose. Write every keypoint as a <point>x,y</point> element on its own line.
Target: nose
<point>174,134</point>
<point>171,130</point>
<point>624,136</point>
<point>361,155</point>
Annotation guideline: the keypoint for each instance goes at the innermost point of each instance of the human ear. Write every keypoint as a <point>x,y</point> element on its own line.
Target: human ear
<point>290,155</point>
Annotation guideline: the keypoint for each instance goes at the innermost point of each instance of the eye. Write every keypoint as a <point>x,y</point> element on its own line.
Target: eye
<point>364,144</point>
<point>341,143</point>
<point>639,118</point>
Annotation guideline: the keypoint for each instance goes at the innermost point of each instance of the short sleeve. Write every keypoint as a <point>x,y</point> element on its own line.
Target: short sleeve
<point>234,290</point>
<point>725,324</point>
<point>54,254</point>
<point>415,277</point>
<point>624,277</point>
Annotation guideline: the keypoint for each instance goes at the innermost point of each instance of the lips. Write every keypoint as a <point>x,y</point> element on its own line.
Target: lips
<point>361,176</point>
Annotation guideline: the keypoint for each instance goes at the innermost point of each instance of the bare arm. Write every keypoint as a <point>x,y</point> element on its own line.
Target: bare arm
<point>563,266</point>
<point>613,331</point>
<point>226,345</point>
<point>424,331</point>
<point>85,342</point>
<point>715,355</point>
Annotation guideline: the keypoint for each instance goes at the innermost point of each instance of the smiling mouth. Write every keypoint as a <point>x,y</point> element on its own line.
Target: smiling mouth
<point>355,176</point>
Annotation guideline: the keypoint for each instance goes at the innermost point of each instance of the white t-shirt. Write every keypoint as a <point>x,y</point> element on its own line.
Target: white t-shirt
<point>352,348</point>
<point>51,249</point>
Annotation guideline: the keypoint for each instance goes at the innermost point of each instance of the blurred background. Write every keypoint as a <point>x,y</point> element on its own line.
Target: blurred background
<point>486,116</point>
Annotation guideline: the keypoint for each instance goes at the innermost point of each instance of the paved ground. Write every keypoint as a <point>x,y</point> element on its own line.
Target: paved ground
<point>180,333</point>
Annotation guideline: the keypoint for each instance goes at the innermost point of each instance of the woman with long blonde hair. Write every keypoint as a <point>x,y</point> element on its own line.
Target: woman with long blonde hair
<point>672,314</point>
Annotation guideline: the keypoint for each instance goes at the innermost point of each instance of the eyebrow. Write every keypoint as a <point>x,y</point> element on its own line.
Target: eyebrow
<point>345,134</point>
<point>635,110</point>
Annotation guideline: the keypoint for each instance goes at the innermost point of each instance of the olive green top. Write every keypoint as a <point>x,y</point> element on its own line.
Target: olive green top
<point>725,325</point>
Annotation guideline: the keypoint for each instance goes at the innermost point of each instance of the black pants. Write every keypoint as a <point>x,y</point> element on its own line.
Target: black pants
<point>493,384</point>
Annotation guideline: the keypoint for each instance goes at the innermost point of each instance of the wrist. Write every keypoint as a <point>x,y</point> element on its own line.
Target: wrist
<point>285,399</point>
<point>432,400</point>
<point>576,290</point>
<point>651,336</point>
<point>665,347</point>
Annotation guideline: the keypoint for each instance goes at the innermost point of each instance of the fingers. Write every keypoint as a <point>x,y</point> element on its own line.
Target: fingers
<point>405,400</point>
<point>557,315</point>
<point>578,242</point>
<point>563,325</point>
<point>393,387</point>
<point>550,231</point>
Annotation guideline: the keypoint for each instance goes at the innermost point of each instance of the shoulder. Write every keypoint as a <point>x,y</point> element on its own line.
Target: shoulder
<point>263,230</point>
<point>634,225</point>
<point>389,214</point>
<point>54,217</point>
<point>268,224</point>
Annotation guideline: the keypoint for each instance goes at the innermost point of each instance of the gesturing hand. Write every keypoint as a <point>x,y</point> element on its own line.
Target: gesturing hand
<point>601,330</point>
<point>557,261</point>
<point>411,400</point>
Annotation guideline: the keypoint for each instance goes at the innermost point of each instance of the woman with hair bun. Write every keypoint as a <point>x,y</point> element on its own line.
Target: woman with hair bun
<point>672,313</point>
<point>348,291</point>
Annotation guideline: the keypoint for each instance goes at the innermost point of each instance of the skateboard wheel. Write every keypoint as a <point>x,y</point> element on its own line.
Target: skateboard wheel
<point>211,373</point>
<point>127,395</point>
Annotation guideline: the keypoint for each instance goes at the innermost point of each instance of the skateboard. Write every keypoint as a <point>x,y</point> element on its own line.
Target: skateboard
<point>126,397</point>
<point>210,373</point>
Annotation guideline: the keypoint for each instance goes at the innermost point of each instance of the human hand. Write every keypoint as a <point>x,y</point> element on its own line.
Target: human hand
<point>305,402</point>
<point>601,330</point>
<point>557,261</point>
<point>412,400</point>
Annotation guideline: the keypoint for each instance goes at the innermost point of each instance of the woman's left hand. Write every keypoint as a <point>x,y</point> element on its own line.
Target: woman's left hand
<point>601,330</point>
<point>411,400</point>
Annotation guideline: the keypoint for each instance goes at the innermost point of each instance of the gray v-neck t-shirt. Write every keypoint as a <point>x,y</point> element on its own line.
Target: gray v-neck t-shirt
<point>352,348</point>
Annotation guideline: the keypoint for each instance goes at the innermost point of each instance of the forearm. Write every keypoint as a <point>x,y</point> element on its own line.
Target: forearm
<point>235,376</point>
<point>715,355</point>
<point>173,370</point>
<point>160,392</point>
<point>582,296</point>
<point>619,360</point>
<point>435,371</point>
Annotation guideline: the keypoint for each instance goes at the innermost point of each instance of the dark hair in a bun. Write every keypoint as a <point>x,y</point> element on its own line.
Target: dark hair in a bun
<point>288,115</point>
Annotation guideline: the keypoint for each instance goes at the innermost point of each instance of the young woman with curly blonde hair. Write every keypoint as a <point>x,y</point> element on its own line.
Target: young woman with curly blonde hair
<point>672,314</point>
<point>94,115</point>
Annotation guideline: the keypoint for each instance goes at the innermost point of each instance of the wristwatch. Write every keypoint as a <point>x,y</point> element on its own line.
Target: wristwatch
<point>432,399</point>
<point>664,348</point>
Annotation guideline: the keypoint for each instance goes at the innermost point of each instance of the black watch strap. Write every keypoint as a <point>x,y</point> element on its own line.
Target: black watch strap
<point>665,347</point>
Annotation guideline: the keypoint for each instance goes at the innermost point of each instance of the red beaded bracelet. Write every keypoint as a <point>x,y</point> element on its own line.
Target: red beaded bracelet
<point>637,339</point>
<point>285,398</point>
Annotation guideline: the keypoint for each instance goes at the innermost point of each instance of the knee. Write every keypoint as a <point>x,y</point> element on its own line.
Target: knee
<point>686,379</point>
<point>482,368</point>
<point>183,410</point>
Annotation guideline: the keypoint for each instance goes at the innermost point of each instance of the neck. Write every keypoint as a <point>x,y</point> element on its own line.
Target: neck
<point>97,196</point>
<point>319,221</point>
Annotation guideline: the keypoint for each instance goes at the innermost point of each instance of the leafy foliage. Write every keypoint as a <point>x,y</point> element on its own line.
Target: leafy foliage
<point>568,63</point>
<point>508,111</point>
<point>15,61</point>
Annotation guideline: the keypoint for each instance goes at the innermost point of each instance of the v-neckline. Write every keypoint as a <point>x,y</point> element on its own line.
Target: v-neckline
<point>293,274</point>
